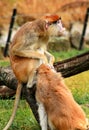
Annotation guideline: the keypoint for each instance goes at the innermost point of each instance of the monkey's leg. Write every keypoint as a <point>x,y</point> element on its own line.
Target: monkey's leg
<point>50,58</point>
<point>30,54</point>
<point>17,99</point>
<point>31,80</point>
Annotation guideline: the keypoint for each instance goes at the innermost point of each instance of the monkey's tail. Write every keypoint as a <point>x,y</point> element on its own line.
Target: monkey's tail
<point>17,99</point>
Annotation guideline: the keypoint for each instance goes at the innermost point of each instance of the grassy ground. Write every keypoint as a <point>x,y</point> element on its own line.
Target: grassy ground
<point>24,120</point>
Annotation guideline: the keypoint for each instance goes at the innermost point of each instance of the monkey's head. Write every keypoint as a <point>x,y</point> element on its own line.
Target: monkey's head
<point>45,69</point>
<point>54,25</point>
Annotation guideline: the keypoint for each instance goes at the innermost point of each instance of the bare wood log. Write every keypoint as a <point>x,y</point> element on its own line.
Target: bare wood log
<point>8,78</point>
<point>74,65</point>
<point>6,92</point>
<point>67,67</point>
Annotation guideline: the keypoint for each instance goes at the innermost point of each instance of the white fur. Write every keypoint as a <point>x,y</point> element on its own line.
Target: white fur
<point>42,116</point>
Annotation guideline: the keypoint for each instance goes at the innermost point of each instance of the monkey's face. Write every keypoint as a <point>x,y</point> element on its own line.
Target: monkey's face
<point>55,28</point>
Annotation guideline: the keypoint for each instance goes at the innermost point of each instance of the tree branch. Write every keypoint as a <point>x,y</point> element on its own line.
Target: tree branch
<point>74,65</point>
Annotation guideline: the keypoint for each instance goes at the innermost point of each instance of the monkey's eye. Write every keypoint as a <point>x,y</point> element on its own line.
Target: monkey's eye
<point>58,21</point>
<point>55,22</point>
<point>49,23</point>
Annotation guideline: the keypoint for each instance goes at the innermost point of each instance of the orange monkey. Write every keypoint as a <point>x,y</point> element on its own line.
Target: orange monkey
<point>56,103</point>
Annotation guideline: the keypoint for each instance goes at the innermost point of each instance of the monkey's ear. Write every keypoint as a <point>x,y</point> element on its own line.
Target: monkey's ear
<point>47,25</point>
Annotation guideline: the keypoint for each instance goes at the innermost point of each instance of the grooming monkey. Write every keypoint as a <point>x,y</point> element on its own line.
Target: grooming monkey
<point>29,50</point>
<point>57,106</point>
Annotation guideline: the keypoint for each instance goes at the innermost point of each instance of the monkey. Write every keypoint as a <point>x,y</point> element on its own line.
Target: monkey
<point>32,39</point>
<point>56,103</point>
<point>28,50</point>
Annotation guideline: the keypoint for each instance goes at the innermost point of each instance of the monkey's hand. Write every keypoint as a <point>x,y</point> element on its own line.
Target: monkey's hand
<point>50,58</point>
<point>30,54</point>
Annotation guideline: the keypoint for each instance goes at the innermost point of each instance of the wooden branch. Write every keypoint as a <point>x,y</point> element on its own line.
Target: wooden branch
<point>6,92</point>
<point>8,78</point>
<point>69,67</point>
<point>74,65</point>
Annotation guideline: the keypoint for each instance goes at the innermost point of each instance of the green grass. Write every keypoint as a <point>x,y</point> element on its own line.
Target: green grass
<point>79,86</point>
<point>4,63</point>
<point>24,120</point>
<point>61,55</point>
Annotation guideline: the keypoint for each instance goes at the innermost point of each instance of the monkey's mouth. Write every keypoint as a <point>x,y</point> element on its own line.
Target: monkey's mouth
<point>62,32</point>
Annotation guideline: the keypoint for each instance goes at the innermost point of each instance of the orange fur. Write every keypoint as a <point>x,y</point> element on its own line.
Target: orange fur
<point>62,110</point>
<point>51,18</point>
<point>23,67</point>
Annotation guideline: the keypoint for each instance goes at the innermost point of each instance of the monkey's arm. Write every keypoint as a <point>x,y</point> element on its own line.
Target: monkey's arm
<point>30,54</point>
<point>50,58</point>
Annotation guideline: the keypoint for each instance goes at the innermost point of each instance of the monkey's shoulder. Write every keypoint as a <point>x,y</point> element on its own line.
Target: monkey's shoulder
<point>36,25</point>
<point>30,32</point>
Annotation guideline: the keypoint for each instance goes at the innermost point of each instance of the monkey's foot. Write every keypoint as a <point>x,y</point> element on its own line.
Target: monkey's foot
<point>30,85</point>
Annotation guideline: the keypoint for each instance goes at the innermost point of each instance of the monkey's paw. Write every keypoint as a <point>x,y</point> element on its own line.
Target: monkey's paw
<point>30,85</point>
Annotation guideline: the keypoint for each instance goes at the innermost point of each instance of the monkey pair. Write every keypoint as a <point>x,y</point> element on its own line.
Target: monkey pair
<point>28,51</point>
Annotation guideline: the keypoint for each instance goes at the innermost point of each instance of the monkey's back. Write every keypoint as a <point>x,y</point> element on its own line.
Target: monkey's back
<point>29,34</point>
<point>63,112</point>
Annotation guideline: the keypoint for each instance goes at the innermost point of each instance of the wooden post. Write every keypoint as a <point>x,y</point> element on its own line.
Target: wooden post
<point>84,30</point>
<point>10,32</point>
